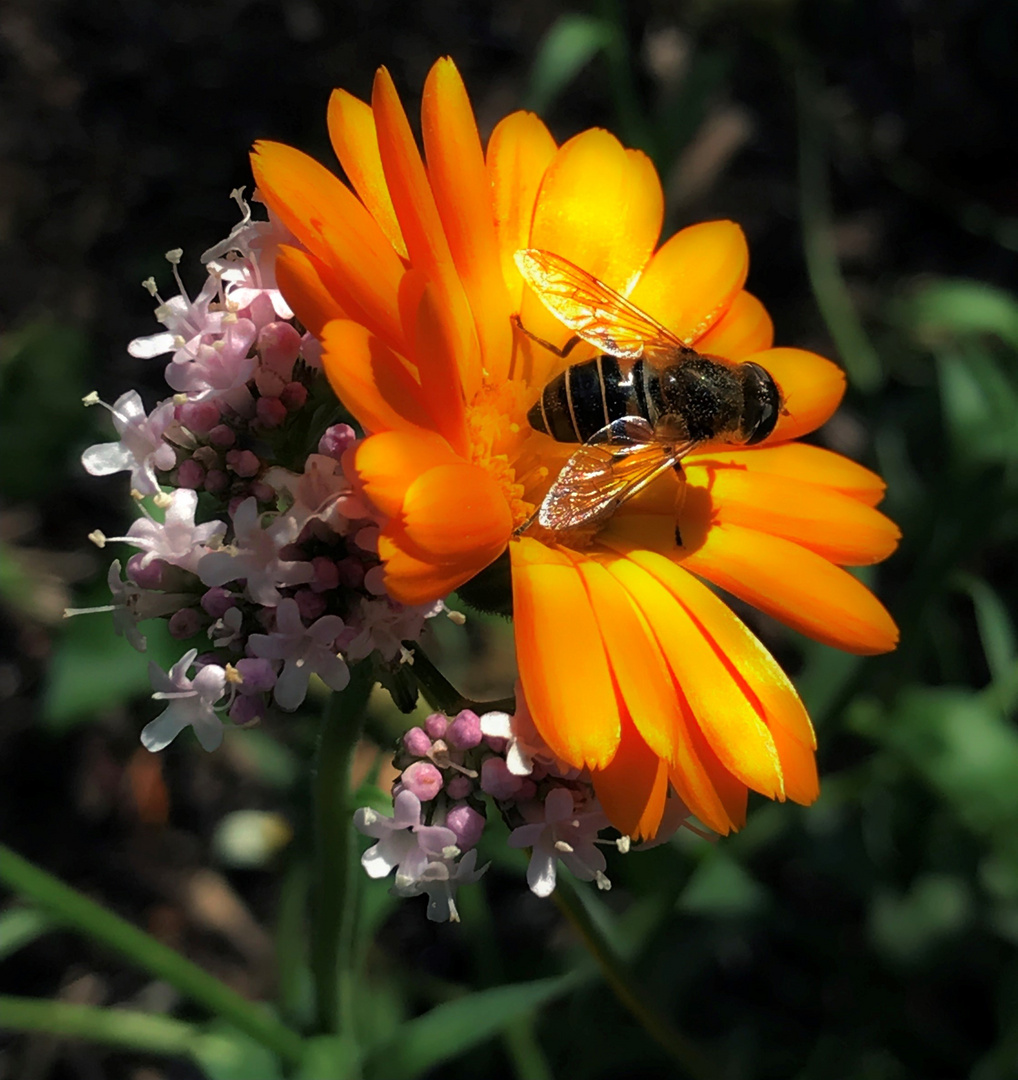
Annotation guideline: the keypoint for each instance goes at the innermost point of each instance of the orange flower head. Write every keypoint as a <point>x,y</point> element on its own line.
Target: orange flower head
<point>632,667</point>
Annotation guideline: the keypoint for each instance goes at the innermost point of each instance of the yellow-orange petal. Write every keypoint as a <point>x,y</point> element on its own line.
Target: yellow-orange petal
<point>355,142</point>
<point>419,221</point>
<point>745,328</point>
<point>753,667</point>
<point>836,526</point>
<point>643,677</point>
<point>561,656</point>
<point>330,221</point>
<point>310,288</point>
<point>435,346</point>
<point>600,206</point>
<point>371,380</point>
<point>456,513</point>
<point>633,786</point>
<point>811,389</point>
<point>736,644</point>
<point>410,579</point>
<point>520,149</point>
<point>796,586</point>
<point>692,279</point>
<point>801,462</point>
<point>388,463</point>
<point>728,720</point>
<point>463,196</point>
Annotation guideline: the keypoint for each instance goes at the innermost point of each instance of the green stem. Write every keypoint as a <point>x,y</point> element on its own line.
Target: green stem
<point>617,975</point>
<point>334,891</point>
<point>114,1027</point>
<point>826,280</point>
<point>441,694</point>
<point>76,911</point>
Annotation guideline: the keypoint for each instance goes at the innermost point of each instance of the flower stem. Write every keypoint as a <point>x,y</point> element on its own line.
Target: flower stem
<point>334,891</point>
<point>78,912</point>
<point>441,694</point>
<point>616,973</point>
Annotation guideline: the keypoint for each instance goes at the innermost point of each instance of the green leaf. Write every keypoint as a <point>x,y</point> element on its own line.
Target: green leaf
<point>329,1057</point>
<point>980,403</point>
<point>451,1029</point>
<point>20,926</point>
<point>908,926</point>
<point>964,748</point>
<point>42,372</point>
<point>225,1054</point>
<point>567,48</point>
<point>996,631</point>
<point>947,309</point>
<point>720,886</point>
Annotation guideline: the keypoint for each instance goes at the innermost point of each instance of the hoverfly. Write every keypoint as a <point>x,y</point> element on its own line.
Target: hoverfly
<point>634,420</point>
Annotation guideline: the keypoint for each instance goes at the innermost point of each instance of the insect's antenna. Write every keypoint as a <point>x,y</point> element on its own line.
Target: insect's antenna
<point>521,529</point>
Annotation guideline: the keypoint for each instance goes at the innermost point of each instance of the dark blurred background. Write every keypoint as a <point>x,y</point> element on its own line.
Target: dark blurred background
<point>869,151</point>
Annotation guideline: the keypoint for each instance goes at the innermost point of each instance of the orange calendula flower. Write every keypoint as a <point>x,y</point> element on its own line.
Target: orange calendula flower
<point>631,665</point>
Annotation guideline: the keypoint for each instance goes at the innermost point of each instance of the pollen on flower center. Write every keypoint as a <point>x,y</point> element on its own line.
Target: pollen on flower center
<point>498,428</point>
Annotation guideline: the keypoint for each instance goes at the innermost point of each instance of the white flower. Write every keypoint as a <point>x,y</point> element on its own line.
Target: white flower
<point>304,651</point>
<point>385,625</point>
<point>322,492</point>
<point>191,703</point>
<point>132,605</point>
<point>567,834</point>
<point>220,369</point>
<point>254,556</point>
<point>176,540</point>
<point>425,857</point>
<point>227,630</point>
<point>141,449</point>
<point>524,744</point>
<point>440,879</point>
<point>188,322</point>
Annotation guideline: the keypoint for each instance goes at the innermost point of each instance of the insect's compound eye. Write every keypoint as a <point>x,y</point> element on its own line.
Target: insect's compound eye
<point>761,403</point>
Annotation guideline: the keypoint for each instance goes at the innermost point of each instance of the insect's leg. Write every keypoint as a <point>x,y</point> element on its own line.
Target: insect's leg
<point>521,529</point>
<point>561,353</point>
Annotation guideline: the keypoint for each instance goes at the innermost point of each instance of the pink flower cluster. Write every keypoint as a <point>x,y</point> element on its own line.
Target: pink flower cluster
<point>452,770</point>
<point>252,543</point>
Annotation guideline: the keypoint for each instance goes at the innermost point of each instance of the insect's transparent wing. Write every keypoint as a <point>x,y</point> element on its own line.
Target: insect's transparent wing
<point>614,465</point>
<point>594,311</point>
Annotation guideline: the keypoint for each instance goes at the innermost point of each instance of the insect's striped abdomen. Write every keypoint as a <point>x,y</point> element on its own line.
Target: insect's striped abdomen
<point>586,397</point>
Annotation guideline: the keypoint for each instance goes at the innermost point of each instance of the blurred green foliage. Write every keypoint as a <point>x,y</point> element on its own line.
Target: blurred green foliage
<point>873,936</point>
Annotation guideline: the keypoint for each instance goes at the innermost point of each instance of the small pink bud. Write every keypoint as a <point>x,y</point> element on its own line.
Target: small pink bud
<point>244,463</point>
<point>459,786</point>
<point>465,731</point>
<point>278,346</point>
<point>311,605</point>
<point>423,779</point>
<point>217,602</point>
<point>336,440</point>
<point>528,790</point>
<point>467,823</point>
<point>152,575</point>
<point>184,624</point>
<point>271,412</point>
<point>216,481</point>
<point>497,780</point>
<point>257,674</point>
<point>222,436</point>
<point>262,492</point>
<point>374,581</point>
<point>495,743</point>
<point>436,725</point>
<point>234,504</point>
<point>247,710</point>
<point>416,742</point>
<point>326,575</point>
<point>270,384</point>
<point>190,475</point>
<point>294,396</point>
<point>199,417</point>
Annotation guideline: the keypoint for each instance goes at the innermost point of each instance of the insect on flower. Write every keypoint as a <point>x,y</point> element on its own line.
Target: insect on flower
<point>637,419</point>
